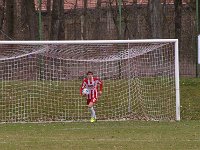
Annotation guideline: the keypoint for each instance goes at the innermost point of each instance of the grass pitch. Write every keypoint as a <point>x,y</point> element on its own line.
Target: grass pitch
<point>127,135</point>
<point>124,135</point>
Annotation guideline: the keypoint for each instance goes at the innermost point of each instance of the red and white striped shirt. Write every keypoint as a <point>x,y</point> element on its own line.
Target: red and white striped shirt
<point>92,86</point>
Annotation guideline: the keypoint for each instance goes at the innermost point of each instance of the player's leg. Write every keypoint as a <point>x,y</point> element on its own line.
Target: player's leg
<point>92,111</point>
<point>91,108</point>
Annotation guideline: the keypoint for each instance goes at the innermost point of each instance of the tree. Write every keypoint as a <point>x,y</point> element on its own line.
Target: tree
<point>178,11</point>
<point>75,20</point>
<point>126,14</point>
<point>49,17</point>
<point>97,21</point>
<point>2,6</point>
<point>9,17</point>
<point>57,21</point>
<point>29,19</point>
<point>114,12</point>
<point>154,18</point>
<point>84,21</point>
<point>131,26</point>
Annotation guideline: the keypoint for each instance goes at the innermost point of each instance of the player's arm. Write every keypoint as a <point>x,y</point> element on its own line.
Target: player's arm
<point>82,87</point>
<point>100,87</point>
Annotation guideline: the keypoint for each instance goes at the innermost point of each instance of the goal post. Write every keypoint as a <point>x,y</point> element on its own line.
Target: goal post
<point>178,117</point>
<point>40,80</point>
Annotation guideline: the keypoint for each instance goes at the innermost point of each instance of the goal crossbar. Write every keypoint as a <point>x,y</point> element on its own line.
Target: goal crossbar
<point>92,41</point>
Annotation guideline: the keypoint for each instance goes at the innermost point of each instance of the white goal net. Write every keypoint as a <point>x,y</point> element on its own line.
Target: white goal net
<point>40,81</point>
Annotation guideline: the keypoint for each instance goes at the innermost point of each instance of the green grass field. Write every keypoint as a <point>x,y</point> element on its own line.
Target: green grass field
<point>122,135</point>
<point>128,135</point>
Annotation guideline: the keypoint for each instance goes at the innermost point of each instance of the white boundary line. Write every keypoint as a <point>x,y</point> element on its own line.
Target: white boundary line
<point>101,139</point>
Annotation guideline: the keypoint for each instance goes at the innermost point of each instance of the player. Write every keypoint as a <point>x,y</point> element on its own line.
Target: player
<point>95,86</point>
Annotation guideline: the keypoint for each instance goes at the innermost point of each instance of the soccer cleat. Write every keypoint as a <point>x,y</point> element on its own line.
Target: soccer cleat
<point>92,120</point>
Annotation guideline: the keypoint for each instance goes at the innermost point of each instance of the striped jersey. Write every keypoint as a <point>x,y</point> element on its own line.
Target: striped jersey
<point>93,86</point>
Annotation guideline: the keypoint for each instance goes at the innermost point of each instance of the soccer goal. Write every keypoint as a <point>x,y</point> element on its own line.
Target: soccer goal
<point>40,80</point>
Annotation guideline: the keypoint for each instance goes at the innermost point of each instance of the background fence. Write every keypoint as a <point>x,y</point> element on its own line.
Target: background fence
<point>102,20</point>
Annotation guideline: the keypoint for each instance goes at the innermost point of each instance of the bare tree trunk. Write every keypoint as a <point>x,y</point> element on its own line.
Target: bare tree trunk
<point>2,9</point>
<point>114,16</point>
<point>29,19</point>
<point>154,18</point>
<point>178,11</point>
<point>49,17</point>
<point>164,18</point>
<point>84,22</point>
<point>126,14</point>
<point>9,17</point>
<point>75,21</point>
<point>198,13</point>
<point>57,21</point>
<point>133,26</point>
<point>97,21</point>
<point>114,12</point>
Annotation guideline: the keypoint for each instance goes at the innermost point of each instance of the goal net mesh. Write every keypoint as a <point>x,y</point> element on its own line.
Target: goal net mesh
<point>41,82</point>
